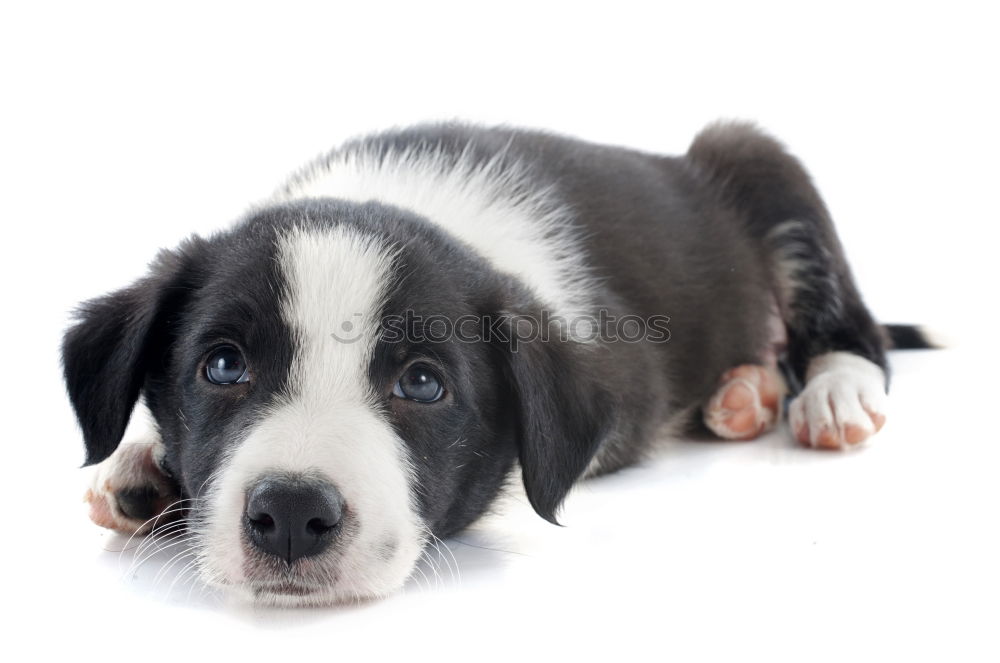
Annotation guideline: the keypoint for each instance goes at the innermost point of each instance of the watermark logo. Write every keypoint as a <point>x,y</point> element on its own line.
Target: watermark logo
<point>350,330</point>
<point>507,329</point>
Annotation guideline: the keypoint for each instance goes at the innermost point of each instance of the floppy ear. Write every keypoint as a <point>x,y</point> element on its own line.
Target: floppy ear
<point>107,352</point>
<point>563,415</point>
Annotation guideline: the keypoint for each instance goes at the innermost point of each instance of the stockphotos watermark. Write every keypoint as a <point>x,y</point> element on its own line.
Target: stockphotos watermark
<point>508,329</point>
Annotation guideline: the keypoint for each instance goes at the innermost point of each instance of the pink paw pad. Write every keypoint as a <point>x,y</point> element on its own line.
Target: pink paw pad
<point>747,403</point>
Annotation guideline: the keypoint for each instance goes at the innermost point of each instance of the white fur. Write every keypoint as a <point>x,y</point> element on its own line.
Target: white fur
<point>329,422</point>
<point>492,206</point>
<point>842,389</point>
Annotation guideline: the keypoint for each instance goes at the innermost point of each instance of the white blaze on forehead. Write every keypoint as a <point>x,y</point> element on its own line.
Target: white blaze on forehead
<point>494,206</point>
<point>330,421</point>
<point>337,281</point>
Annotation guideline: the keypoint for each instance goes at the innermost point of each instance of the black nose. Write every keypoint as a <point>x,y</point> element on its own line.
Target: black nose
<point>292,518</point>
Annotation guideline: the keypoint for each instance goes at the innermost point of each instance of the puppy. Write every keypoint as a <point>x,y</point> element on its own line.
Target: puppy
<point>359,364</point>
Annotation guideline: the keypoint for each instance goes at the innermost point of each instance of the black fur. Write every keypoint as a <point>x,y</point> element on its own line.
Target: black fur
<point>107,353</point>
<point>908,337</point>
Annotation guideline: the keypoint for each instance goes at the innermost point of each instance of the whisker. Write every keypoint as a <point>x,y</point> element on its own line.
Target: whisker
<point>137,564</point>
<point>152,544</point>
<point>457,571</point>
<point>424,575</point>
<point>499,550</point>
<point>170,509</point>
<point>198,580</point>
<point>439,557</point>
<point>160,533</point>
<point>173,560</point>
<point>435,566</point>
<point>180,574</point>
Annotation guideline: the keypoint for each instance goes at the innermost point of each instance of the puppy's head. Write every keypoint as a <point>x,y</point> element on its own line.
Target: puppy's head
<point>333,384</point>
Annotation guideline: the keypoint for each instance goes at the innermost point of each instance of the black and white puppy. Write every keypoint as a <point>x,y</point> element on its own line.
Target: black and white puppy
<point>360,363</point>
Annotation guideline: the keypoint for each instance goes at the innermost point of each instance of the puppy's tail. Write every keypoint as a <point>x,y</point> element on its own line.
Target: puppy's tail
<point>912,337</point>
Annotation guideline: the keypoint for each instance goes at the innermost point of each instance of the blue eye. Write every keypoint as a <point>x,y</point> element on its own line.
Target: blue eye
<point>419,383</point>
<point>226,366</point>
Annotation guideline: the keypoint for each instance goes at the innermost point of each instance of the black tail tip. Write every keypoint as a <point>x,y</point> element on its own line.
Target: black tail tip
<point>911,337</point>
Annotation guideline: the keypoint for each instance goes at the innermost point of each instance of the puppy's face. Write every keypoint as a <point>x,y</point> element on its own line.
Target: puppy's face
<point>316,406</point>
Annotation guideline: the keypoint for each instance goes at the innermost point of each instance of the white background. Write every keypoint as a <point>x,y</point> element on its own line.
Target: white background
<point>126,127</point>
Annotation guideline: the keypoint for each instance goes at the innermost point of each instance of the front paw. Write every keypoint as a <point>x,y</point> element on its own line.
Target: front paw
<point>129,491</point>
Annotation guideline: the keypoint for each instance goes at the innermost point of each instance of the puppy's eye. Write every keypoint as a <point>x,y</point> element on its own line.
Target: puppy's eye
<point>226,366</point>
<point>419,383</point>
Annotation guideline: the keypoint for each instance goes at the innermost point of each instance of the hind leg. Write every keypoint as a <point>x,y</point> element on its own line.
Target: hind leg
<point>748,399</point>
<point>835,348</point>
